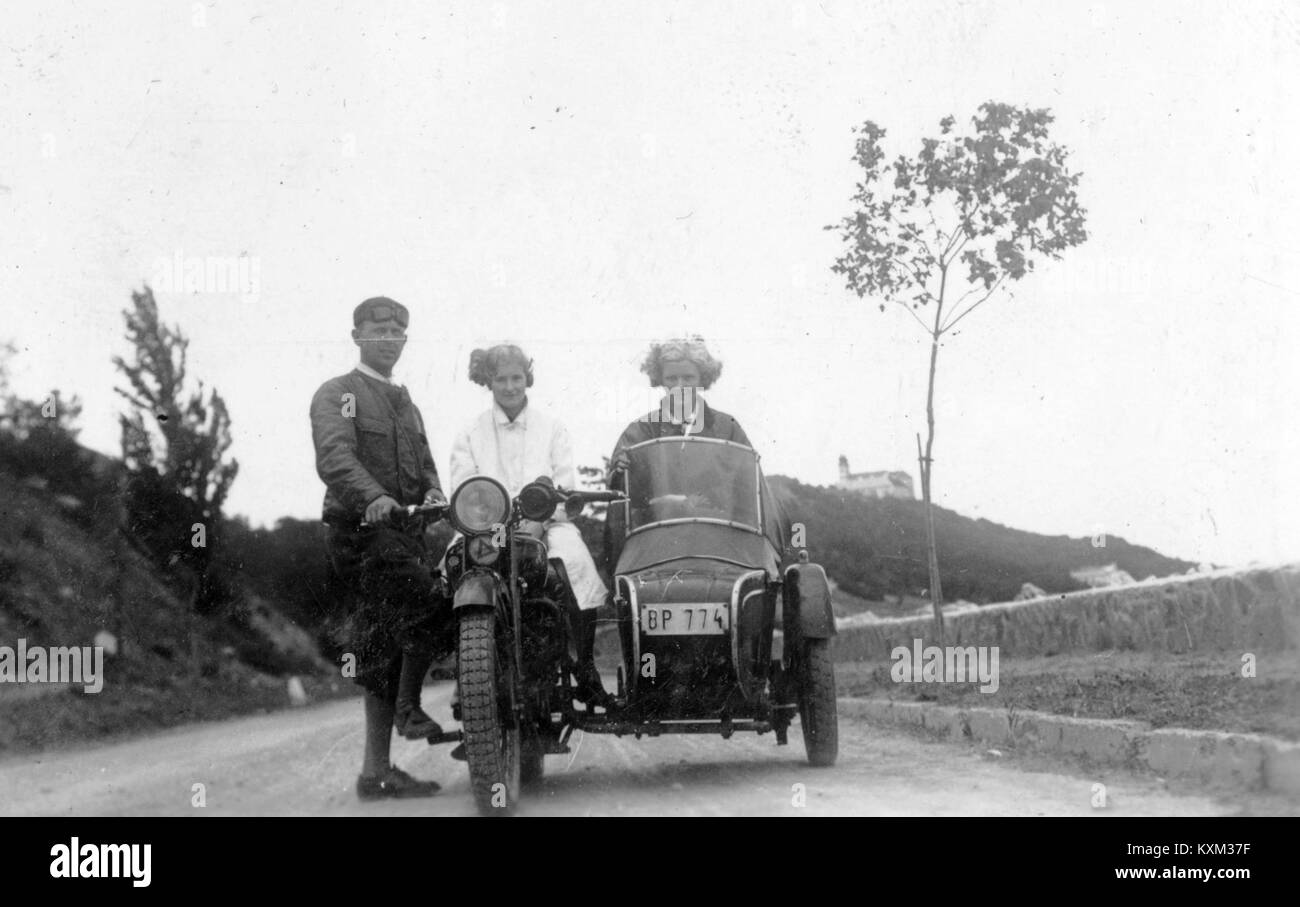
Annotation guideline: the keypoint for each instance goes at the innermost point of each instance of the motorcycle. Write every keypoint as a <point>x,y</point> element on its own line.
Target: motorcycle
<point>513,608</point>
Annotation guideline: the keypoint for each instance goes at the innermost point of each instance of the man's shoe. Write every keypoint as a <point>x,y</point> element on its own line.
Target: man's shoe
<point>590,689</point>
<point>413,724</point>
<point>394,784</point>
<point>458,753</point>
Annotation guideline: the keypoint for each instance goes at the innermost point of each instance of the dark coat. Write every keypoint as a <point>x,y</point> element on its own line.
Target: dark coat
<point>382,448</point>
<point>716,424</point>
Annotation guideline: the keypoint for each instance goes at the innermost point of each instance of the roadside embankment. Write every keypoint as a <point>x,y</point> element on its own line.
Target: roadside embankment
<point>1243,610</point>
<point>1196,676</point>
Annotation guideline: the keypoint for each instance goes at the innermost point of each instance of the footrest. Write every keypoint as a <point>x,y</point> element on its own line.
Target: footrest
<point>446,737</point>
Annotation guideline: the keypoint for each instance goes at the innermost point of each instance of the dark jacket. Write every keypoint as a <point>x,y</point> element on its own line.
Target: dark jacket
<point>379,447</point>
<point>716,424</point>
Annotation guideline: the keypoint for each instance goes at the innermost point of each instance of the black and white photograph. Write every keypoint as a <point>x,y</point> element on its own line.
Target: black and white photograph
<point>636,409</point>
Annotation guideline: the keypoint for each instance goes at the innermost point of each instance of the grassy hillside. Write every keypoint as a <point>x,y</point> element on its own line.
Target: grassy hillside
<point>876,548</point>
<point>65,576</point>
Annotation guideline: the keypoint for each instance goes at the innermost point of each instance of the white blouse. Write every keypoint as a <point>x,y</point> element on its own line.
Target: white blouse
<point>514,453</point>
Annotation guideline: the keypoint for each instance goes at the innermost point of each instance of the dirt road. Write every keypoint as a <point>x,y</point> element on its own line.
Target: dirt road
<point>304,762</point>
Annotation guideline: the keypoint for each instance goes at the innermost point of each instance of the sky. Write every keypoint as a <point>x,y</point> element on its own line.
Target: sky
<point>585,178</point>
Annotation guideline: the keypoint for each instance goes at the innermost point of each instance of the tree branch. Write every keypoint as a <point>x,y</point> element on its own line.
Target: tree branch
<point>943,257</point>
<point>949,252</point>
<point>911,231</point>
<point>950,258</point>
<point>956,305</point>
<point>912,312</point>
<point>953,323</point>
<point>915,273</point>
<point>930,214</point>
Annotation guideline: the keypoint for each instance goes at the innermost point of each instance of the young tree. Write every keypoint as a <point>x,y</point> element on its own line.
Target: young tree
<point>939,234</point>
<point>174,442</point>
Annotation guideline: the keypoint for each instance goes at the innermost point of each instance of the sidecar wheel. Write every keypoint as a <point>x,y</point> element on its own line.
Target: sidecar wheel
<point>492,744</point>
<point>817,717</point>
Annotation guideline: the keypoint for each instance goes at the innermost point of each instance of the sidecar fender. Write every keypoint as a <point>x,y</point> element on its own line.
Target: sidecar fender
<point>806,598</point>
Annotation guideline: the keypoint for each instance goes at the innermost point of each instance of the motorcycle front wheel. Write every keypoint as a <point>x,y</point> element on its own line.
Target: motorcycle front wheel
<point>492,739</point>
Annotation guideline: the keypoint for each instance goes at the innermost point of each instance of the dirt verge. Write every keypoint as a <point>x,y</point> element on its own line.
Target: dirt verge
<point>1195,691</point>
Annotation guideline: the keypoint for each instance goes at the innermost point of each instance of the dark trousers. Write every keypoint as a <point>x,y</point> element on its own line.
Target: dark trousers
<point>395,603</point>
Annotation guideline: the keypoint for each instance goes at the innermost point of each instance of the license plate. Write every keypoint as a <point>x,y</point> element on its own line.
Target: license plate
<point>683,619</point>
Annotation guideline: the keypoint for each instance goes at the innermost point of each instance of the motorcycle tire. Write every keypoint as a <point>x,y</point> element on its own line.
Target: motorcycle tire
<point>492,739</point>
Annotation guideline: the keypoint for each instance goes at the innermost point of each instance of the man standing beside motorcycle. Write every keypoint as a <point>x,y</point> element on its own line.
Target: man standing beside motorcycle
<point>372,453</point>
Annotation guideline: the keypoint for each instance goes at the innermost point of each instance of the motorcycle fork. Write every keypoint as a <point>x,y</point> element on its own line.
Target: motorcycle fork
<point>516,636</point>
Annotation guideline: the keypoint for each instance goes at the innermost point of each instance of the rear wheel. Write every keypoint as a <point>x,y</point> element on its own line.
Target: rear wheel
<point>492,738</point>
<point>817,717</point>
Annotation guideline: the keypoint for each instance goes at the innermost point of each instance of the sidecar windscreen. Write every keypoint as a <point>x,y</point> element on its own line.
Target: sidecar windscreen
<point>681,480</point>
<point>697,498</point>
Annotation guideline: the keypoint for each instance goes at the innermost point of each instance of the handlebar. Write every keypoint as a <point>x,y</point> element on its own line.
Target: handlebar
<point>594,497</point>
<point>539,498</point>
<point>401,517</point>
<point>431,510</point>
<point>574,501</point>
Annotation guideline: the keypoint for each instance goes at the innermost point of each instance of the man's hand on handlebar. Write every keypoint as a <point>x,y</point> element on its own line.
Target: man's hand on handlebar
<point>435,498</point>
<point>379,509</point>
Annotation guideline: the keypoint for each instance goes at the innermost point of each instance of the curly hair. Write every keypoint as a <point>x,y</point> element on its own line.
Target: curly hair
<point>690,348</point>
<point>483,364</point>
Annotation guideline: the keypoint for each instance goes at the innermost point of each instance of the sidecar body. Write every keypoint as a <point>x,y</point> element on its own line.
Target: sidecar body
<point>703,582</point>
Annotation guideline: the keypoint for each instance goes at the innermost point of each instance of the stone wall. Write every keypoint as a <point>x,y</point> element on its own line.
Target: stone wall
<point>1245,610</point>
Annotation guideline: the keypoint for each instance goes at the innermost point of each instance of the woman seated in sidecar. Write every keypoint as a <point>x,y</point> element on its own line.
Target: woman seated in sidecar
<point>683,368</point>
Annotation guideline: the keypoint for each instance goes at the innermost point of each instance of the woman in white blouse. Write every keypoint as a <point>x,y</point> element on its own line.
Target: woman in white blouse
<point>515,443</point>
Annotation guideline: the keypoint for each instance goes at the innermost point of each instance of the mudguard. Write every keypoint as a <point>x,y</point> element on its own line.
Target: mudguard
<point>806,597</point>
<point>478,588</point>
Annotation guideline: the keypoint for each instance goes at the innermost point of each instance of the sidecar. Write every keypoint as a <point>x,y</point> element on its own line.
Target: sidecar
<point>701,587</point>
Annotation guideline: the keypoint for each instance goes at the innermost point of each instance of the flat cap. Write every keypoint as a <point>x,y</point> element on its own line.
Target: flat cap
<point>381,308</point>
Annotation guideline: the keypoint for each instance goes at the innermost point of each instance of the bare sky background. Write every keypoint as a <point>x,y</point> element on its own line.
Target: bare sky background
<point>583,179</point>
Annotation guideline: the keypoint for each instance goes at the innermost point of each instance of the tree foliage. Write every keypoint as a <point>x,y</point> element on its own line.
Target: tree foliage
<point>983,206</point>
<point>23,419</point>
<point>38,438</point>
<point>181,434</point>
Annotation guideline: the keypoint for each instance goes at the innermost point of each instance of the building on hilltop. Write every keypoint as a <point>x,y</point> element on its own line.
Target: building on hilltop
<point>883,484</point>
